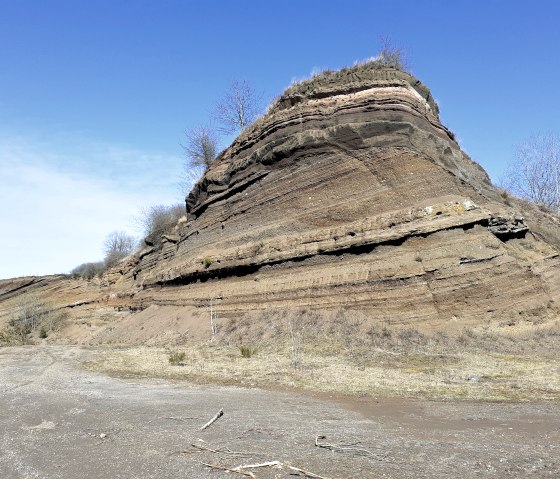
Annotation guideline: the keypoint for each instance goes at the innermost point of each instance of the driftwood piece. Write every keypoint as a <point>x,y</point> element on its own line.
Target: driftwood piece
<point>217,416</point>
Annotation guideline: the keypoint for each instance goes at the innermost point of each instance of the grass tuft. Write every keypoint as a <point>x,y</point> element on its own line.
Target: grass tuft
<point>248,351</point>
<point>177,358</point>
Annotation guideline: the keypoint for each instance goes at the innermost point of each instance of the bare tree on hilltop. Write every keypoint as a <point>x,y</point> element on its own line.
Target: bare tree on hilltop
<point>391,55</point>
<point>238,108</point>
<point>535,172</point>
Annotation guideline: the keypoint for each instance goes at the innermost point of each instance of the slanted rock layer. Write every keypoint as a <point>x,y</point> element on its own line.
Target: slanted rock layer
<point>349,193</point>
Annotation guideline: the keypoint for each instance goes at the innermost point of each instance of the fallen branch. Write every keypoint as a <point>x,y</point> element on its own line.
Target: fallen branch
<point>344,448</point>
<point>227,469</point>
<point>306,473</point>
<point>182,419</point>
<point>203,448</point>
<point>218,415</point>
<point>241,469</point>
<point>221,450</point>
<point>262,464</point>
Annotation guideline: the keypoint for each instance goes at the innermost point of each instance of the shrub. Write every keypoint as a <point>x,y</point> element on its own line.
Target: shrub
<point>43,333</point>
<point>411,336</point>
<point>88,270</point>
<point>29,314</point>
<point>207,261</point>
<point>248,350</point>
<point>177,358</point>
<point>506,197</point>
<point>16,333</point>
<point>158,220</point>
<point>4,338</point>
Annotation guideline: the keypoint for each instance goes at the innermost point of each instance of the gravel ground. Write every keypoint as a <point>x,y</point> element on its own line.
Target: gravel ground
<point>59,421</point>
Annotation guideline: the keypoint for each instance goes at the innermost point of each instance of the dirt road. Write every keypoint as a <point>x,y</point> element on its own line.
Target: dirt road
<point>59,421</point>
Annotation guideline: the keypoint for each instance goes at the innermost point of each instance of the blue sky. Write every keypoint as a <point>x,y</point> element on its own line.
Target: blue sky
<point>95,95</point>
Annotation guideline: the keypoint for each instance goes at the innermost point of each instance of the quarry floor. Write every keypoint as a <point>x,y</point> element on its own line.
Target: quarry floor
<point>58,420</point>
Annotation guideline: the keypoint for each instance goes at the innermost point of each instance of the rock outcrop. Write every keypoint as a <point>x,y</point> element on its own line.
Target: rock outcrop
<point>350,193</point>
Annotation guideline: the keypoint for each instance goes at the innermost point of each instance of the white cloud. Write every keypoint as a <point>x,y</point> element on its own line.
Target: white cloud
<point>56,208</point>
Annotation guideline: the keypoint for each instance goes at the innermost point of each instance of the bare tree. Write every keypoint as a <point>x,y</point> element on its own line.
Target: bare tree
<point>535,172</point>
<point>391,55</point>
<point>201,147</point>
<point>238,108</point>
<point>117,245</point>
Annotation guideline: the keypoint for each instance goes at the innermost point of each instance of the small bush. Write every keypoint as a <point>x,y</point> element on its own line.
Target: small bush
<point>207,262</point>
<point>248,350</point>
<point>411,336</point>
<point>159,220</point>
<point>88,270</point>
<point>386,333</point>
<point>177,358</point>
<point>29,314</point>
<point>506,197</point>
<point>5,338</point>
<point>16,333</point>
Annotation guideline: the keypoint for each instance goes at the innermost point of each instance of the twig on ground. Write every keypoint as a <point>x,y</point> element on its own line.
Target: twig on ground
<point>241,469</point>
<point>218,415</point>
<point>306,473</point>
<point>221,450</point>
<point>182,419</point>
<point>262,464</point>
<point>227,469</point>
<point>344,448</point>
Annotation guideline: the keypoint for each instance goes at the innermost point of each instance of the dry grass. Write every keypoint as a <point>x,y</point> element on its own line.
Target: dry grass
<point>346,355</point>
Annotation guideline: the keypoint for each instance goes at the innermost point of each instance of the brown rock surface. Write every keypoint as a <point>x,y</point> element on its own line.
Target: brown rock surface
<point>347,193</point>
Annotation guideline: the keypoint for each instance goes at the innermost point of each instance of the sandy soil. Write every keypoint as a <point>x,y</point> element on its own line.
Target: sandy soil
<point>60,421</point>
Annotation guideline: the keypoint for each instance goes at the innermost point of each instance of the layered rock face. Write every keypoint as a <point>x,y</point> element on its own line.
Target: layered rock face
<point>350,193</point>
